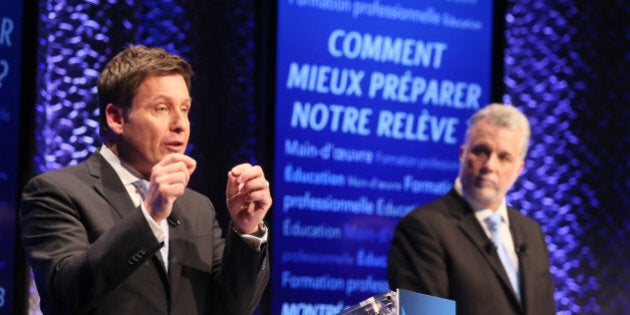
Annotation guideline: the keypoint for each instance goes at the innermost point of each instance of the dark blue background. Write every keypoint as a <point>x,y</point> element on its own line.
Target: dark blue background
<point>10,76</point>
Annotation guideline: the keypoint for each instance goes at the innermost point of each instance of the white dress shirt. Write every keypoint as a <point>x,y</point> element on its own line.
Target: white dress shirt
<point>129,176</point>
<point>481,213</point>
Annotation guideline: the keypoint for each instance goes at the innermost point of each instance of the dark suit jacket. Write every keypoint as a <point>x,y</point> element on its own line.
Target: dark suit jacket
<point>440,249</point>
<point>92,251</point>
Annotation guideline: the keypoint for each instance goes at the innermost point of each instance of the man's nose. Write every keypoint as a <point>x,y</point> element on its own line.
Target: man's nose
<point>179,121</point>
<point>491,162</point>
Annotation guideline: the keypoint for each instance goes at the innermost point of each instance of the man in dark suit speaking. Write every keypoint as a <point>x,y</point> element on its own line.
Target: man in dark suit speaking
<point>121,234</point>
<point>468,245</point>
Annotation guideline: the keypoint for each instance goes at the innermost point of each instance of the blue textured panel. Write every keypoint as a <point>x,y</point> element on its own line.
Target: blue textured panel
<point>67,73</point>
<point>74,47</point>
<point>571,185</point>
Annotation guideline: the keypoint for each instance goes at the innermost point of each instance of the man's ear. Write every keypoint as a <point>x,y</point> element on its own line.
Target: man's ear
<point>462,148</point>
<point>115,118</point>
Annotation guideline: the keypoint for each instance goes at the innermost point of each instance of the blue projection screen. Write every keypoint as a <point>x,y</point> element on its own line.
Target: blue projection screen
<point>372,100</point>
<point>10,75</point>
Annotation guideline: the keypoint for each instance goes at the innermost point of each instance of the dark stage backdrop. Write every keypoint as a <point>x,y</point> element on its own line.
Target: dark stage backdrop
<point>566,66</point>
<point>10,78</point>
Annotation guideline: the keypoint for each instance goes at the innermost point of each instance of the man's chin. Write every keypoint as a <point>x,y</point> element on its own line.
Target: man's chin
<point>484,196</point>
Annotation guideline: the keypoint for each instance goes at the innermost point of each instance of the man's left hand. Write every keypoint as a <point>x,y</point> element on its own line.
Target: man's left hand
<point>248,197</point>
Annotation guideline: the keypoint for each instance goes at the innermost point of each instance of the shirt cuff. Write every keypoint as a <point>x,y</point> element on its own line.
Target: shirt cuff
<point>257,239</point>
<point>155,228</point>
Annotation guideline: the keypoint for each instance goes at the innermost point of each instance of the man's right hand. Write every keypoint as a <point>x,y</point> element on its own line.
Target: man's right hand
<point>169,179</point>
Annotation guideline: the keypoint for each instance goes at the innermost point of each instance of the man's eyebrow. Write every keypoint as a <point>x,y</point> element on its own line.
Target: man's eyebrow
<point>163,97</point>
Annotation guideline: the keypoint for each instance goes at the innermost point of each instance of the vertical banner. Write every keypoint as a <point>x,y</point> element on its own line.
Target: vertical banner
<point>372,101</point>
<point>10,70</point>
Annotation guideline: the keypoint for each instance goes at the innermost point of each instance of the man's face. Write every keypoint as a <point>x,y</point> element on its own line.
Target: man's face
<point>157,123</point>
<point>490,162</point>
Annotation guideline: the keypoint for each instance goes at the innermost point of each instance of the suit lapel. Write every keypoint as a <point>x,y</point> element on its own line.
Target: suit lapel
<point>468,223</point>
<point>109,185</point>
<point>473,230</point>
<point>518,233</point>
<point>175,251</point>
<point>471,227</point>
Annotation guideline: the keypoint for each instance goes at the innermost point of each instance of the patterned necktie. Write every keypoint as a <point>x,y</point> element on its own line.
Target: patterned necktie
<point>494,223</point>
<point>143,188</point>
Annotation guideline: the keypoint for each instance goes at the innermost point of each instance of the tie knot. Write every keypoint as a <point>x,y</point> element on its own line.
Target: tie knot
<point>493,221</point>
<point>143,187</point>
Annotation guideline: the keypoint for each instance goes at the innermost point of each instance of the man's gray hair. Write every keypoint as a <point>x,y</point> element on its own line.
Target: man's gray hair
<point>503,115</point>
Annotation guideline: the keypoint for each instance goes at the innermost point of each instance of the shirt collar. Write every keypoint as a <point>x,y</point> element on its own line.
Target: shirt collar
<point>481,212</point>
<point>127,174</point>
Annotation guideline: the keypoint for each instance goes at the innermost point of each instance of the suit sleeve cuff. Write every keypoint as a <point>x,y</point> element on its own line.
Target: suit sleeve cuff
<point>155,228</point>
<point>257,239</point>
